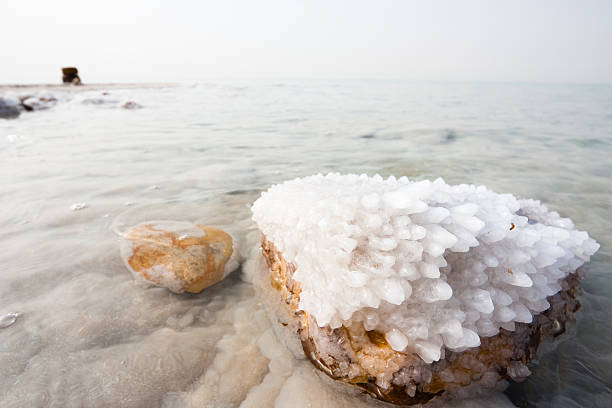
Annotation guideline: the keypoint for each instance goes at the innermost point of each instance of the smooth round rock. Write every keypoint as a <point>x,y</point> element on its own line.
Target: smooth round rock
<point>179,255</point>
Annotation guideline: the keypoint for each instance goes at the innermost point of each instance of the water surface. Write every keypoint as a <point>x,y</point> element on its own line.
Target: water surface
<point>88,335</point>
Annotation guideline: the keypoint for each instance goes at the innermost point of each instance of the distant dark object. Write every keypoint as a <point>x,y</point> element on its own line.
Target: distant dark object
<point>368,136</point>
<point>70,75</point>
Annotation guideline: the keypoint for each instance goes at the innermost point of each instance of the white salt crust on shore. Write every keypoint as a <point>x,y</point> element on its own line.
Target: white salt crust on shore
<point>426,263</point>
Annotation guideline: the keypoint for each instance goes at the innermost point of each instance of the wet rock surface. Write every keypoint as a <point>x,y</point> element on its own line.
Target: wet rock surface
<point>178,255</point>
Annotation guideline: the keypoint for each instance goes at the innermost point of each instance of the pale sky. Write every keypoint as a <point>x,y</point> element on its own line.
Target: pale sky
<point>174,40</point>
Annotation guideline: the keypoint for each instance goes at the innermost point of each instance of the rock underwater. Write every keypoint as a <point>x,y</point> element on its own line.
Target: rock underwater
<point>9,108</point>
<point>414,291</point>
<point>131,105</point>
<point>179,255</point>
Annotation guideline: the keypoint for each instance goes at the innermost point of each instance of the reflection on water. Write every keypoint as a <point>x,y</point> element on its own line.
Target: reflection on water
<point>88,335</point>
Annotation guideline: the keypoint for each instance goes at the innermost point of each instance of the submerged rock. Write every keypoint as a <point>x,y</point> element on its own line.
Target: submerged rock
<point>38,102</point>
<point>9,108</point>
<point>178,255</point>
<point>131,105</point>
<point>413,290</point>
<point>8,320</point>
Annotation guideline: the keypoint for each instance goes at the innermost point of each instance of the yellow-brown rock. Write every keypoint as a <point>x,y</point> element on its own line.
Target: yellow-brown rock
<point>178,255</point>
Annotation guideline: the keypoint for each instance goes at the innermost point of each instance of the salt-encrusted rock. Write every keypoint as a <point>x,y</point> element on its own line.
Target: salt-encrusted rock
<point>178,255</point>
<point>9,108</point>
<point>41,101</point>
<point>412,290</point>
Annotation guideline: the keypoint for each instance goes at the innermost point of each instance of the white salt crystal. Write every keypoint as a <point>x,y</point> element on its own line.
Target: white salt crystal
<point>452,328</point>
<point>391,291</point>
<point>486,327</point>
<point>470,338</point>
<point>370,201</point>
<point>356,278</point>
<point>373,221</point>
<point>433,290</point>
<point>504,314</point>
<point>469,223</point>
<point>411,251</point>
<point>409,271</point>
<point>403,200</point>
<point>433,248</point>
<point>440,235</point>
<point>433,215</point>
<point>467,209</point>
<point>428,351</point>
<point>480,300</point>
<point>403,233</point>
<point>429,271</point>
<point>500,297</point>
<point>384,244</point>
<point>517,278</point>
<point>523,314</point>
<point>417,231</point>
<point>396,339</point>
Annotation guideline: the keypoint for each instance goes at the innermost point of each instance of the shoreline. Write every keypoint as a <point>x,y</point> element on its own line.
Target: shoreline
<point>86,87</point>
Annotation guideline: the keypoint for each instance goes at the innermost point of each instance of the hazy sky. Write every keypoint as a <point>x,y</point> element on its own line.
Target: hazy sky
<point>149,40</point>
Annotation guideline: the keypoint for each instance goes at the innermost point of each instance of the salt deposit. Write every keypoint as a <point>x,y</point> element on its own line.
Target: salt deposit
<point>78,206</point>
<point>8,320</point>
<point>426,263</point>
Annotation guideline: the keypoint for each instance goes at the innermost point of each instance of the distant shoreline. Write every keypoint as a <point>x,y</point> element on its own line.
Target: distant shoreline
<point>87,86</point>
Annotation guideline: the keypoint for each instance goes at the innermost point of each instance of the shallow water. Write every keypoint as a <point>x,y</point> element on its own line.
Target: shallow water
<point>86,334</point>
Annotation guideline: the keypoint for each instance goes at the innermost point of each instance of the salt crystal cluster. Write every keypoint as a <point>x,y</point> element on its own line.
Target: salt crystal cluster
<point>428,264</point>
